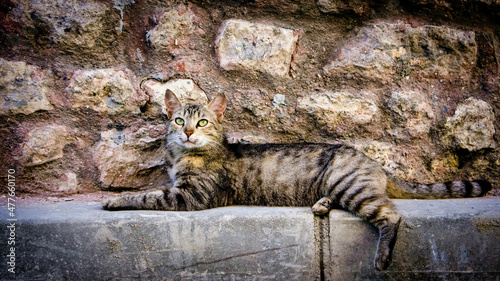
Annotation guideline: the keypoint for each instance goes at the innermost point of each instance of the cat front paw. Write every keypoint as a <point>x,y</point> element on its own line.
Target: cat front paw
<point>323,206</point>
<point>112,204</point>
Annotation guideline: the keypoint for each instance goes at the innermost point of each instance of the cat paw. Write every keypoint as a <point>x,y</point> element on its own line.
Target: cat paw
<point>323,206</point>
<point>382,260</point>
<point>111,204</point>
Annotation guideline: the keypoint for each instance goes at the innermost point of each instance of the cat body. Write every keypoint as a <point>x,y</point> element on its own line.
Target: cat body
<point>208,172</point>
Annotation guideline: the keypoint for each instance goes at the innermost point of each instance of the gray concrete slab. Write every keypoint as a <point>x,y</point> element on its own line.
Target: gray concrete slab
<point>79,241</point>
<point>438,240</point>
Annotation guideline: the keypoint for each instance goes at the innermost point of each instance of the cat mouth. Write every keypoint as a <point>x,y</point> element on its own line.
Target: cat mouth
<point>190,144</point>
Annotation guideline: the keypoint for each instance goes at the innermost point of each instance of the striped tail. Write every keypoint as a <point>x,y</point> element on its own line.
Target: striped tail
<point>454,189</point>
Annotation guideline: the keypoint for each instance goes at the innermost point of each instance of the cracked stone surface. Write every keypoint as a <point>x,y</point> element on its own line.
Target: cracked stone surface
<point>248,46</point>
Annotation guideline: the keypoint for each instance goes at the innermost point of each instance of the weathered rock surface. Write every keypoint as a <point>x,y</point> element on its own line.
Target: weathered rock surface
<point>255,103</point>
<point>132,159</point>
<point>70,25</point>
<point>248,46</point>
<point>340,112</point>
<point>383,52</point>
<point>384,153</point>
<point>185,90</point>
<point>446,163</point>
<point>412,114</point>
<point>106,90</point>
<point>472,126</point>
<point>176,29</point>
<point>45,144</point>
<point>23,88</point>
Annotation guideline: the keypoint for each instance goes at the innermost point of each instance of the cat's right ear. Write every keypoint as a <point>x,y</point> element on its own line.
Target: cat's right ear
<point>172,103</point>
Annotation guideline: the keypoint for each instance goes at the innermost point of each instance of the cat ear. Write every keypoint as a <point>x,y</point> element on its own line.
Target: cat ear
<point>171,102</point>
<point>218,105</point>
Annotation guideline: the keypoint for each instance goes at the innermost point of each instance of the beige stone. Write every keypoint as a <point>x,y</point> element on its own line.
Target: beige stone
<point>71,25</point>
<point>446,163</point>
<point>248,46</point>
<point>384,52</point>
<point>175,28</point>
<point>332,109</point>
<point>472,126</point>
<point>132,159</point>
<point>23,88</point>
<point>384,153</point>
<point>412,113</point>
<point>45,144</point>
<point>186,91</point>
<point>105,90</point>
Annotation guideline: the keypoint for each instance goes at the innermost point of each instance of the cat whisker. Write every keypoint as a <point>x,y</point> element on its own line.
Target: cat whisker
<point>216,145</point>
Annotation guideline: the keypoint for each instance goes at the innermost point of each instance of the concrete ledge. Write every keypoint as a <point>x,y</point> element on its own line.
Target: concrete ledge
<point>438,240</point>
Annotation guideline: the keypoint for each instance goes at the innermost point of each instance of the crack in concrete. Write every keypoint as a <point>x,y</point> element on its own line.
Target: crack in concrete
<point>322,237</point>
<point>238,256</point>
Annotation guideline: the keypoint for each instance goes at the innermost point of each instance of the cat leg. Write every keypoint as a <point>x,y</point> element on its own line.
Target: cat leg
<point>323,206</point>
<point>153,200</point>
<point>385,217</point>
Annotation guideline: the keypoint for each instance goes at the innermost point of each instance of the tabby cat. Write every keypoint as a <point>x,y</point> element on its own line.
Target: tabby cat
<point>208,172</point>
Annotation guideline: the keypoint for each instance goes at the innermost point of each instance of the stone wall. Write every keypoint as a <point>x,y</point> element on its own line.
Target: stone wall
<point>412,83</point>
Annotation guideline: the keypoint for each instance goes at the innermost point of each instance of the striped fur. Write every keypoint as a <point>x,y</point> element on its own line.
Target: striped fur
<point>208,172</point>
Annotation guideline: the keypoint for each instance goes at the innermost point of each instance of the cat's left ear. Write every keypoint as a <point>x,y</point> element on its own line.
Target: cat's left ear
<point>218,105</point>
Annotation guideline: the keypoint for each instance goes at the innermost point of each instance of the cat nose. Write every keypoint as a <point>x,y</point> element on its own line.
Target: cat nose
<point>188,133</point>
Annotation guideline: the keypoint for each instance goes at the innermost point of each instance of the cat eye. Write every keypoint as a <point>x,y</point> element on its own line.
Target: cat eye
<point>202,123</point>
<point>179,121</point>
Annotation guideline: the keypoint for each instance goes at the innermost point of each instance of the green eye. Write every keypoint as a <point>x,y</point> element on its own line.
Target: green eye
<point>202,123</point>
<point>179,121</point>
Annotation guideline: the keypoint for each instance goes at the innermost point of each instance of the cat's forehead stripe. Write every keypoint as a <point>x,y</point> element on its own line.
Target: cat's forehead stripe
<point>192,110</point>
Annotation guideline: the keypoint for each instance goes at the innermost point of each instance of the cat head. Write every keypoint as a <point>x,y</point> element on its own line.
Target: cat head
<point>193,126</point>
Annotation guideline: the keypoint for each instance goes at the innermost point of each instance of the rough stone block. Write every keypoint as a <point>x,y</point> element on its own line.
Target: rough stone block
<point>106,90</point>
<point>176,28</point>
<point>412,114</point>
<point>71,29</point>
<point>132,159</point>
<point>23,88</point>
<point>472,127</point>
<point>45,144</point>
<point>406,162</point>
<point>335,111</point>
<point>384,153</point>
<point>247,46</point>
<point>383,52</point>
<point>184,89</point>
